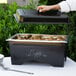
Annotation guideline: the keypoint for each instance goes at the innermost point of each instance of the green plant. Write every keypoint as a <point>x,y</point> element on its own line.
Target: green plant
<point>43,2</point>
<point>9,27</point>
<point>51,2</point>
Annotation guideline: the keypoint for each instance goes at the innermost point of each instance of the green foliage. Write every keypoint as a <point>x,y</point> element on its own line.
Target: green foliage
<point>32,4</point>
<point>72,36</point>
<point>51,2</point>
<point>9,27</point>
<point>42,2</point>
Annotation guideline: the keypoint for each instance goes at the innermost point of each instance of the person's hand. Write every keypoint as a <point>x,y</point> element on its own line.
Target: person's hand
<point>45,8</point>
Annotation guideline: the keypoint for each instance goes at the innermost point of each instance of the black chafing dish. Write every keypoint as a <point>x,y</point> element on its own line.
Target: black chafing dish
<point>44,51</point>
<point>33,16</point>
<point>39,48</point>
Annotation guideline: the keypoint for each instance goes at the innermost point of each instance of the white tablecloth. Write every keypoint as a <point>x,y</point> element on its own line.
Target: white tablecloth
<point>69,69</point>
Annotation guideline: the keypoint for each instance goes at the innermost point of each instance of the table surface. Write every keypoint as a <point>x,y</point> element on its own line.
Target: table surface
<point>69,69</point>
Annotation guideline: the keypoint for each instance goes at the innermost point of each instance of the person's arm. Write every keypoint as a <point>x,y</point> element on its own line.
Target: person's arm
<point>67,6</point>
<point>44,8</point>
<point>64,6</point>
